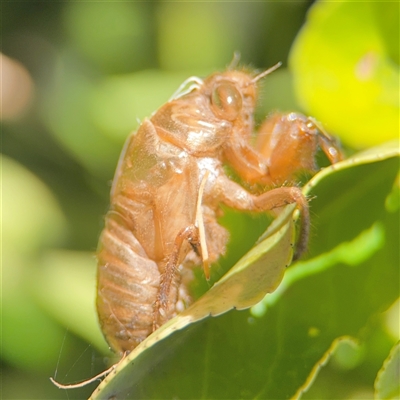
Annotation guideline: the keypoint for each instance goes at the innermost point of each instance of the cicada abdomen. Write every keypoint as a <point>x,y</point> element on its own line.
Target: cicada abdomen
<point>127,285</point>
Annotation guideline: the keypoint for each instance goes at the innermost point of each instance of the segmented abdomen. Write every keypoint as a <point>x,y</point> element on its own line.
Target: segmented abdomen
<point>127,285</point>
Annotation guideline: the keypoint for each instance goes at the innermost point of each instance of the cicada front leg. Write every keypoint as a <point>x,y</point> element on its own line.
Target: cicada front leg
<point>286,146</point>
<point>289,143</point>
<point>195,236</point>
<point>189,234</point>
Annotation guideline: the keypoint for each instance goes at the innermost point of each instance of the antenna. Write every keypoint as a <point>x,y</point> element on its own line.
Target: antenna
<point>264,73</point>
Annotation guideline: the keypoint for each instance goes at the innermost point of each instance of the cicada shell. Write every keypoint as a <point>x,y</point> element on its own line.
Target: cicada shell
<point>168,188</point>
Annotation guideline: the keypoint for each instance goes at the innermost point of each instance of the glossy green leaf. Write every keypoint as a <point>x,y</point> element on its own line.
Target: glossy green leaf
<point>387,383</point>
<point>272,354</point>
<point>358,202</point>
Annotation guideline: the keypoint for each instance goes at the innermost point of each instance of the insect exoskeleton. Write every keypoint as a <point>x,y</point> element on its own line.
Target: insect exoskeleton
<point>168,188</point>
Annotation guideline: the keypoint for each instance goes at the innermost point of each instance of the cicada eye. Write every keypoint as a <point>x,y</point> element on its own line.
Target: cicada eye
<point>226,101</point>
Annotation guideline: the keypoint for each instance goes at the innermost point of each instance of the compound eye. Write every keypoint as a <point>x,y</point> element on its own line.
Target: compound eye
<point>226,101</point>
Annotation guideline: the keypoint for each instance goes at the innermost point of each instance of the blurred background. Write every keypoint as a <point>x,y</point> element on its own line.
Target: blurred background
<point>77,77</point>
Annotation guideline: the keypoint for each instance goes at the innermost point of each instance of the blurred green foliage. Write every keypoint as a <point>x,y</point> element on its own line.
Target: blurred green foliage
<point>346,69</point>
<point>98,68</point>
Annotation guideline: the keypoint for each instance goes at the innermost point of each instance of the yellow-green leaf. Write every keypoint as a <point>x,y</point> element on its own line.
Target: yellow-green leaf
<point>345,72</point>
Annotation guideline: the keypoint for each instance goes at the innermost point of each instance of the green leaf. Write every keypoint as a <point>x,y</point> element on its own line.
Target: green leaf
<point>365,180</point>
<point>387,383</point>
<point>337,345</point>
<point>346,72</point>
<point>273,353</point>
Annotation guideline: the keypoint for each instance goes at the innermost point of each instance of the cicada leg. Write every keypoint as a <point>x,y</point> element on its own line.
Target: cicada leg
<point>289,143</point>
<point>288,195</point>
<point>237,197</point>
<point>191,235</point>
